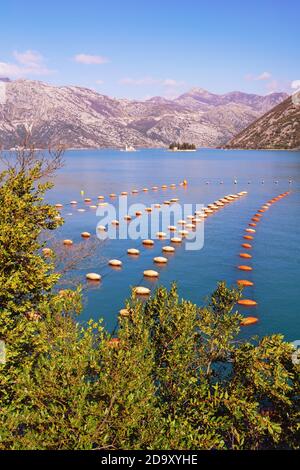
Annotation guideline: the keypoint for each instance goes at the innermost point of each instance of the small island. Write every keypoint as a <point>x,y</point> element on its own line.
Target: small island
<point>184,147</point>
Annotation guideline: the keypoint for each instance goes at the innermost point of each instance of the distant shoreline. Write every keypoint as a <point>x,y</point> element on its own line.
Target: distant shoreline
<point>163,148</point>
<point>261,149</point>
<point>183,150</point>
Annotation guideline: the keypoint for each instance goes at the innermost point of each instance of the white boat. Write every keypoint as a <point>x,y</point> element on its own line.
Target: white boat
<point>129,148</point>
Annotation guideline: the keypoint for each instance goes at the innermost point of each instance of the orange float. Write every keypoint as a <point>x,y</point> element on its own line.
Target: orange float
<point>124,312</point>
<point>47,251</point>
<point>160,235</point>
<point>252,225</point>
<point>115,263</point>
<point>176,240</point>
<point>150,273</point>
<point>114,342</point>
<point>85,235</point>
<point>255,219</point>
<point>248,237</point>
<point>244,282</point>
<point>133,251</point>
<point>160,260</point>
<point>249,321</point>
<point>247,302</point>
<point>169,249</point>
<point>140,290</point>
<point>93,277</point>
<point>245,255</point>
<point>245,268</point>
<point>246,245</point>
<point>148,242</point>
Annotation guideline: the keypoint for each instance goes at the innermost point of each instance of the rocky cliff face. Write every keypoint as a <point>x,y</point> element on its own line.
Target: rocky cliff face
<point>80,117</point>
<point>279,128</point>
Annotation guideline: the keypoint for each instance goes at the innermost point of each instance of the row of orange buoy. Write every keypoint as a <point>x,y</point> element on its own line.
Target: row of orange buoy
<point>189,223</point>
<point>101,198</point>
<point>249,236</point>
<point>198,216</point>
<point>115,263</point>
<point>161,260</point>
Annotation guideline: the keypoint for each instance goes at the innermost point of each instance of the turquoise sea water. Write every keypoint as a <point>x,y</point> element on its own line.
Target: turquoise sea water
<point>276,256</point>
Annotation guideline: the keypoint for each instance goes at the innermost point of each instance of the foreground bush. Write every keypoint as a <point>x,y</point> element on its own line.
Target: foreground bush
<point>175,378</point>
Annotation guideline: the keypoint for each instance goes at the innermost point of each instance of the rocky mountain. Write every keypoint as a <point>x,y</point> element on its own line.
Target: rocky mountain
<point>80,117</point>
<point>279,128</point>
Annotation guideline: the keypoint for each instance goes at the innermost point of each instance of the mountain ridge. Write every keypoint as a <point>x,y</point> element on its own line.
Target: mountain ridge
<point>80,117</point>
<point>278,128</point>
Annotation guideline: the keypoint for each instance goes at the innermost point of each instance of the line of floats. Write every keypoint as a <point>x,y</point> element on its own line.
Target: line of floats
<point>248,237</point>
<point>113,196</point>
<point>183,229</point>
<point>186,226</point>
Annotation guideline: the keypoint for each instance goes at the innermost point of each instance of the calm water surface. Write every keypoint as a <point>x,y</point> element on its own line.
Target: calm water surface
<point>276,257</point>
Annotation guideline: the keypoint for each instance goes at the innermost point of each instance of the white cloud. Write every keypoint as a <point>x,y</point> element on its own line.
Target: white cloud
<point>167,82</point>
<point>170,82</point>
<point>99,82</point>
<point>295,84</point>
<point>29,58</point>
<point>27,63</point>
<point>10,70</point>
<point>90,59</point>
<point>262,76</point>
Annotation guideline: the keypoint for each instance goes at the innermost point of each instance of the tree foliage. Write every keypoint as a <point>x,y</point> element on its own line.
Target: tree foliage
<point>182,146</point>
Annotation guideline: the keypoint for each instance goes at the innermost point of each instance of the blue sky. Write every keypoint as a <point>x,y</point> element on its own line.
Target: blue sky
<point>138,49</point>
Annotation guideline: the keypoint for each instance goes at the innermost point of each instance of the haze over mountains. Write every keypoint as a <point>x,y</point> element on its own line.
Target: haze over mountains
<point>80,117</point>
